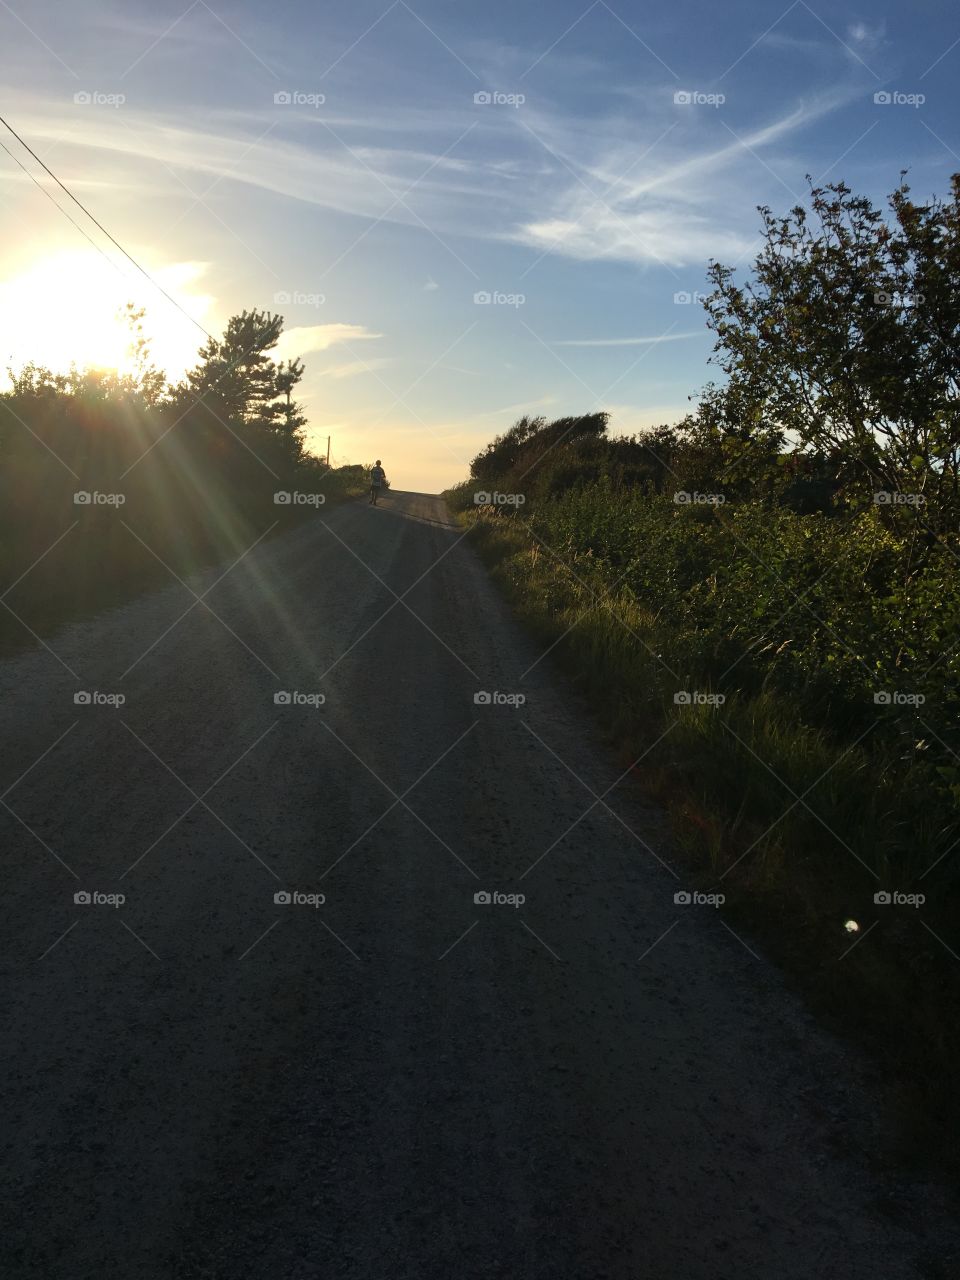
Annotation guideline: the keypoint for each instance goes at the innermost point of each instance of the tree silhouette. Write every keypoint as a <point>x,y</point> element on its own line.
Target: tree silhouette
<point>239,382</point>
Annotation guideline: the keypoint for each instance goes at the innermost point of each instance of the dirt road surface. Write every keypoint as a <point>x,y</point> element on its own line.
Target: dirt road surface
<point>401,1081</point>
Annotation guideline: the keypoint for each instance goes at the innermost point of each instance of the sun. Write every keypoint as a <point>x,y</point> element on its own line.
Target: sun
<point>69,309</point>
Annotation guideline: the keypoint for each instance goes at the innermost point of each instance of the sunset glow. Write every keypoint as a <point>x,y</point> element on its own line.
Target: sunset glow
<point>69,309</point>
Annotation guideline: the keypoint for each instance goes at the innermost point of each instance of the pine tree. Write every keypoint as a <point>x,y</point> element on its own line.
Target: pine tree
<point>238,381</point>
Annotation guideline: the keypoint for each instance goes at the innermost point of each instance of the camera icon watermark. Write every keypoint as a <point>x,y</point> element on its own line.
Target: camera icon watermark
<point>901,301</point>
<point>488,898</point>
<point>294,498</point>
<point>694,898</point>
<point>482,498</point>
<point>297,298</point>
<point>494,98</point>
<point>684,498</point>
<point>294,698</point>
<point>86,498</point>
<point>696,698</point>
<point>94,698</point>
<point>890,498</point>
<point>94,98</point>
<point>483,698</point>
<point>894,898</point>
<point>86,898</point>
<point>297,98</point>
<point>497,298</point>
<point>694,98</point>
<point>896,98</point>
<point>894,698</point>
<point>295,898</point>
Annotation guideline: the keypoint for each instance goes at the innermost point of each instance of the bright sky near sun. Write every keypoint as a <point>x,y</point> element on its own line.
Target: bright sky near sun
<point>464,212</point>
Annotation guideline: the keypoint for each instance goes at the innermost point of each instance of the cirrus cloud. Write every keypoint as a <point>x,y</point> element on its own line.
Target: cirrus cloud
<point>320,337</point>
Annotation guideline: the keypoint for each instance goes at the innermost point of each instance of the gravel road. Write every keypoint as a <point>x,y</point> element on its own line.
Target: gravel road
<point>398,1081</point>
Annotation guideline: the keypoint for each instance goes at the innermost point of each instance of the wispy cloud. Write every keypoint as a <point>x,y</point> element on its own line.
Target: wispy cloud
<point>536,405</point>
<point>865,37</point>
<point>682,204</point>
<point>631,342</point>
<point>355,367</point>
<point>666,197</point>
<point>320,337</point>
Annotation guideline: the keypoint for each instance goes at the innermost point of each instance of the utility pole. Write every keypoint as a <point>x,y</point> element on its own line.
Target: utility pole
<point>328,451</point>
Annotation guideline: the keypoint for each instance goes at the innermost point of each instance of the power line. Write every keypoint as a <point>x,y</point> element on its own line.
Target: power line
<point>40,187</point>
<point>96,223</point>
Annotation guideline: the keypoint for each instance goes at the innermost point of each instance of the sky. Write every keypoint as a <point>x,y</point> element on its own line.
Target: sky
<point>465,213</point>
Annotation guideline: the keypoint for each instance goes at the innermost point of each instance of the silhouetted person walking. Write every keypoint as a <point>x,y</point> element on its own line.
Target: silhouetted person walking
<point>377,477</point>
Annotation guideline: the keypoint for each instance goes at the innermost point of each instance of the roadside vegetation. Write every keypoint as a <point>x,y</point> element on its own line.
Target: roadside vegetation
<point>110,484</point>
<point>762,604</point>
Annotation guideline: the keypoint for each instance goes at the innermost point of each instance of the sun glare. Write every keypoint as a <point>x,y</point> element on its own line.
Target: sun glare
<point>68,309</point>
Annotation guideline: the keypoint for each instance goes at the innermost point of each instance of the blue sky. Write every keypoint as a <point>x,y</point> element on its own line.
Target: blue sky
<point>622,146</point>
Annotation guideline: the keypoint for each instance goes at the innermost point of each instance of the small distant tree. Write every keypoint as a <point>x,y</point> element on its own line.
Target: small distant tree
<point>34,379</point>
<point>147,382</point>
<point>283,414</point>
